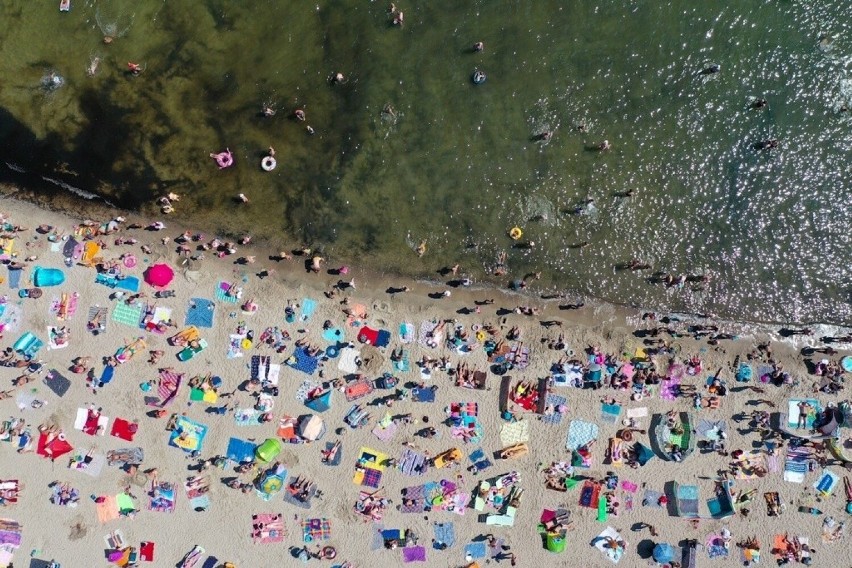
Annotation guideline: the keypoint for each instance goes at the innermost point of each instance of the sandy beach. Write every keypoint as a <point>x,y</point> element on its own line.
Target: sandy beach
<point>420,343</point>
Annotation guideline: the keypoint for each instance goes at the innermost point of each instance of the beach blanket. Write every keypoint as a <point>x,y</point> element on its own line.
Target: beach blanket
<point>99,315</point>
<point>747,465</point>
<point>407,333</point>
<point>15,277</point>
<point>188,435</point>
<point>162,497</point>
<point>358,389</point>
<point>130,315</point>
<point>91,422</point>
<point>124,429</point>
<point>385,430</point>
<point>65,306</point>
<point>222,293</point>
<point>826,483</point>
<point>11,316</point>
<point>308,308</point>
<point>302,361</point>
<point>125,456</point>
<point>687,501</point>
<point>267,528</point>
<point>200,313</point>
<point>56,339</point>
<point>513,433</point>
<point>478,459</point>
<point>445,534</point>
<point>427,336</point>
<point>600,542</point>
<point>793,413</point>
<point>107,508</point>
<point>197,488</point>
<point>247,417</point>
<point>349,359</point>
<point>240,451</point>
<point>375,337</point>
<point>54,448</point>
<point>333,335</point>
<point>580,433</point>
<point>652,499</point>
<point>590,494</point>
<point>669,388</point>
<point>422,395</point>
<point>414,554</point>
<point>610,413</point>
<point>412,462</point>
<point>796,464</point>
<point>476,550</point>
<point>315,530</point>
<point>89,462</point>
<point>161,314</point>
<point>57,383</point>
<point>552,416</point>
<point>403,364</point>
<point>167,389</point>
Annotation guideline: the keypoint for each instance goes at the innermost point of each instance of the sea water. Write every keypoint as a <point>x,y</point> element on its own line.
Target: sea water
<point>408,149</point>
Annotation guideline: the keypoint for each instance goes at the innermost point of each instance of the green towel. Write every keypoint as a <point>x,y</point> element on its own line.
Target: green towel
<point>125,503</point>
<point>676,439</point>
<point>601,509</point>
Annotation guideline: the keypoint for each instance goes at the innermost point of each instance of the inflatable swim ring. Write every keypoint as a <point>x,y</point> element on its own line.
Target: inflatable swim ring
<point>224,159</point>
<point>129,261</point>
<point>478,77</point>
<point>516,233</point>
<point>268,163</point>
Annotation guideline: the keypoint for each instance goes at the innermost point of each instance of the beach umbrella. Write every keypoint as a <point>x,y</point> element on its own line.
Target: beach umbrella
<point>312,428</point>
<point>159,275</point>
<point>664,553</point>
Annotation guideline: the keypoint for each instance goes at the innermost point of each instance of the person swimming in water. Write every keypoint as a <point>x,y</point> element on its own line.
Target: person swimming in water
<point>759,104</point>
<point>769,144</point>
<point>711,69</point>
<point>478,47</point>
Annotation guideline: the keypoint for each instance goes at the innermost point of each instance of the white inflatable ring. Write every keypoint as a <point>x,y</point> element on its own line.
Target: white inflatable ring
<point>268,163</point>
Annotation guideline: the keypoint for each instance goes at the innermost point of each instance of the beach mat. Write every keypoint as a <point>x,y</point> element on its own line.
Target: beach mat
<point>222,293</point>
<point>200,313</point>
<point>308,308</point>
<point>444,533</point>
<point>128,315</point>
<point>15,277</point>
<point>57,383</point>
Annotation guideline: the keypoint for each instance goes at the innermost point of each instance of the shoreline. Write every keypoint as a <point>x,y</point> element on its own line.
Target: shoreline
<point>74,206</point>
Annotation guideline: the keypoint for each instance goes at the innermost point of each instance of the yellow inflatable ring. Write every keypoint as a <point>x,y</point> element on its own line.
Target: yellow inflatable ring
<point>246,344</point>
<point>516,233</point>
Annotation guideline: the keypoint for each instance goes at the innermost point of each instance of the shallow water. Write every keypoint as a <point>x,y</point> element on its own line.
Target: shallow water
<point>456,164</point>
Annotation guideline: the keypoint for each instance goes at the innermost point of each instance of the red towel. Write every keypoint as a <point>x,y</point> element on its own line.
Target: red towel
<point>57,447</point>
<point>367,335</point>
<point>91,425</point>
<point>123,429</point>
<point>146,551</point>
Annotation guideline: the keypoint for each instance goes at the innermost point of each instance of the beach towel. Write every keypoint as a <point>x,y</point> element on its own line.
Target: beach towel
<point>267,528</point>
<point>162,497</point>
<point>715,545</point>
<point>403,364</point>
<point>56,447</point>
<point>315,530</point>
<point>669,388</point>
<point>414,554</point>
<point>412,462</point>
<point>475,550</point>
<point>349,361</point>
<point>240,451</point>
<point>200,313</point>
<point>580,433</point>
<point>333,335</point>
<point>793,413</point>
<point>125,456</point>
<point>406,333</point>
<point>747,465</point>
<point>57,383</point>
<point>514,433</point>
<point>127,314</point>
<point>247,417</point>
<point>91,422</point>
<point>652,499</point>
<point>552,416</point>
<point>445,533</point>
<point>302,361</point>
<point>167,389</point>
<point>100,316</point>
<point>15,277</point>
<point>826,483</point>
<point>358,389</point>
<point>413,499</point>
<point>796,464</point>
<point>422,395</point>
<point>427,336</point>
<point>610,412</point>
<point>385,433</point>
<point>197,488</point>
<point>107,508</point>
<point>188,435</point>
<point>600,542</point>
<point>589,494</point>
<point>308,308</point>
<point>11,316</point>
<point>222,293</point>
<point>123,429</point>
<point>687,501</point>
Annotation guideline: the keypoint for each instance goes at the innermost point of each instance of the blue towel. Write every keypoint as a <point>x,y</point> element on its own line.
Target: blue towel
<point>475,549</point>
<point>383,338</point>
<point>444,533</point>
<point>240,451</point>
<point>200,313</point>
<point>222,293</point>
<point>301,361</point>
<point>308,307</point>
<point>129,283</point>
<point>107,375</point>
<point>15,277</point>
<point>554,401</point>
